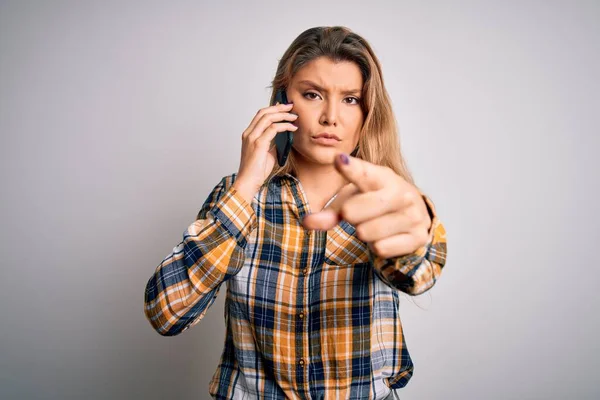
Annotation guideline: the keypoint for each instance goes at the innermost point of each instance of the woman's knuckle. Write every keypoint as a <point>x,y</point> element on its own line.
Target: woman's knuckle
<point>409,197</point>
<point>411,216</point>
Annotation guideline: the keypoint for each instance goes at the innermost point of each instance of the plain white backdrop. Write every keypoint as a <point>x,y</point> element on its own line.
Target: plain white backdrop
<point>118,118</point>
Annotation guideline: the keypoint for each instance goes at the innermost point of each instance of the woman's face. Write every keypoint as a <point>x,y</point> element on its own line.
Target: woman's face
<point>326,97</point>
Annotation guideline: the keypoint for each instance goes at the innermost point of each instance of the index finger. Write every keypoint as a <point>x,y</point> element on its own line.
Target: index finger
<point>365,175</point>
<point>268,110</point>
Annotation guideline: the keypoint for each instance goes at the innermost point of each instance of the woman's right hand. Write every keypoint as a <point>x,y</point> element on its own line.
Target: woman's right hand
<point>258,156</point>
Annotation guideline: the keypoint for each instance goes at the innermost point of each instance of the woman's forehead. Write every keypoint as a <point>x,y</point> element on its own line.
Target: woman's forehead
<point>326,74</point>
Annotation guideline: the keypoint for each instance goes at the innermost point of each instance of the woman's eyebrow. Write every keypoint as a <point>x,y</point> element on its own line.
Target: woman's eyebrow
<point>322,89</point>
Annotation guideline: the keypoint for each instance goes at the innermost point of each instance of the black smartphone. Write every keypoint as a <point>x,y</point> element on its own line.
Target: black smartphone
<point>283,140</point>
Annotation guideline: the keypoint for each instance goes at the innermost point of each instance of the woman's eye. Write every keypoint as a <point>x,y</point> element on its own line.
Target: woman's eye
<point>355,99</point>
<point>309,93</point>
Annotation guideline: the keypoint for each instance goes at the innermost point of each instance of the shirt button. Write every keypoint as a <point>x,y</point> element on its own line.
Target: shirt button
<point>301,362</point>
<point>301,315</point>
<point>305,271</point>
<point>308,233</point>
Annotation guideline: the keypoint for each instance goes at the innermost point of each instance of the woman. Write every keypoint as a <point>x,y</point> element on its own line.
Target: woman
<point>314,253</point>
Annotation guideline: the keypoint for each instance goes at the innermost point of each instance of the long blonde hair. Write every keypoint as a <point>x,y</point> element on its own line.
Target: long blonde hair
<point>378,141</point>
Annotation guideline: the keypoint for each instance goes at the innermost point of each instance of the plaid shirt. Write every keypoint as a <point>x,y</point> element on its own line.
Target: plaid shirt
<point>308,314</point>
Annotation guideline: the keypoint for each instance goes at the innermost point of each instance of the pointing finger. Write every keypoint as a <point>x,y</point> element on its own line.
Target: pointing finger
<point>363,174</point>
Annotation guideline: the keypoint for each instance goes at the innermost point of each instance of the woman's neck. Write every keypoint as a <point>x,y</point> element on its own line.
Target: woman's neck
<point>319,182</point>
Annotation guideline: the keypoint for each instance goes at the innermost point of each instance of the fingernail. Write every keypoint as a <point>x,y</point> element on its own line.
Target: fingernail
<point>344,159</point>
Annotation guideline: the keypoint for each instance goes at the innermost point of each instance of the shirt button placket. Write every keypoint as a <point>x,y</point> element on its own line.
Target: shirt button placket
<point>302,317</point>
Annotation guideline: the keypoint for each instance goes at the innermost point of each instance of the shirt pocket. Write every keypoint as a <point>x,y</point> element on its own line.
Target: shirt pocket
<point>344,248</point>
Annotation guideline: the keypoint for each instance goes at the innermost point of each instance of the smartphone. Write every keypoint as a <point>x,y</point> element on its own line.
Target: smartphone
<point>283,140</point>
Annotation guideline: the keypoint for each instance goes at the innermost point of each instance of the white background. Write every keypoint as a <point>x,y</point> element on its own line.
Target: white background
<point>118,118</point>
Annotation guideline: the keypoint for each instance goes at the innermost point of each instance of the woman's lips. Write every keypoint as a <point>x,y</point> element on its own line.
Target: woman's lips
<point>324,141</point>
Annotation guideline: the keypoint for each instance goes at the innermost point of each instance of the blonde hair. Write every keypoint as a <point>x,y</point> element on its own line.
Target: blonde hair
<point>378,141</point>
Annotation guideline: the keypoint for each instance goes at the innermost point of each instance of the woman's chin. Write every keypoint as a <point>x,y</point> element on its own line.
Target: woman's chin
<point>321,155</point>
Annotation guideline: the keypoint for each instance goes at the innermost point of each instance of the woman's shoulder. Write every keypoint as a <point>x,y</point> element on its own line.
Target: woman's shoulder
<point>274,182</point>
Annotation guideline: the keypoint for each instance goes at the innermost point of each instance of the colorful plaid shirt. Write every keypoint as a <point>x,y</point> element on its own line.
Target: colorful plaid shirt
<point>308,314</point>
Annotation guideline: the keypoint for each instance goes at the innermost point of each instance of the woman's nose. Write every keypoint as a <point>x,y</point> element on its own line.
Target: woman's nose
<point>329,114</point>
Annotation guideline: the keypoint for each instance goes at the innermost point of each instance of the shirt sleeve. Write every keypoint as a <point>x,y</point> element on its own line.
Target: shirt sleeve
<point>418,272</point>
<point>212,250</point>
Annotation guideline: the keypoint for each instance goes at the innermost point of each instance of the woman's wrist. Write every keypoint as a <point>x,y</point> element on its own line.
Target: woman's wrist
<point>245,191</point>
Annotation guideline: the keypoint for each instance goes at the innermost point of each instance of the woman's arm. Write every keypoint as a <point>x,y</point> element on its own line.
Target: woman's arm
<point>187,281</point>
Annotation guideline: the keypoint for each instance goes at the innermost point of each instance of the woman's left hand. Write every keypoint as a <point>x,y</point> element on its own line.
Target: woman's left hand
<point>388,213</point>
